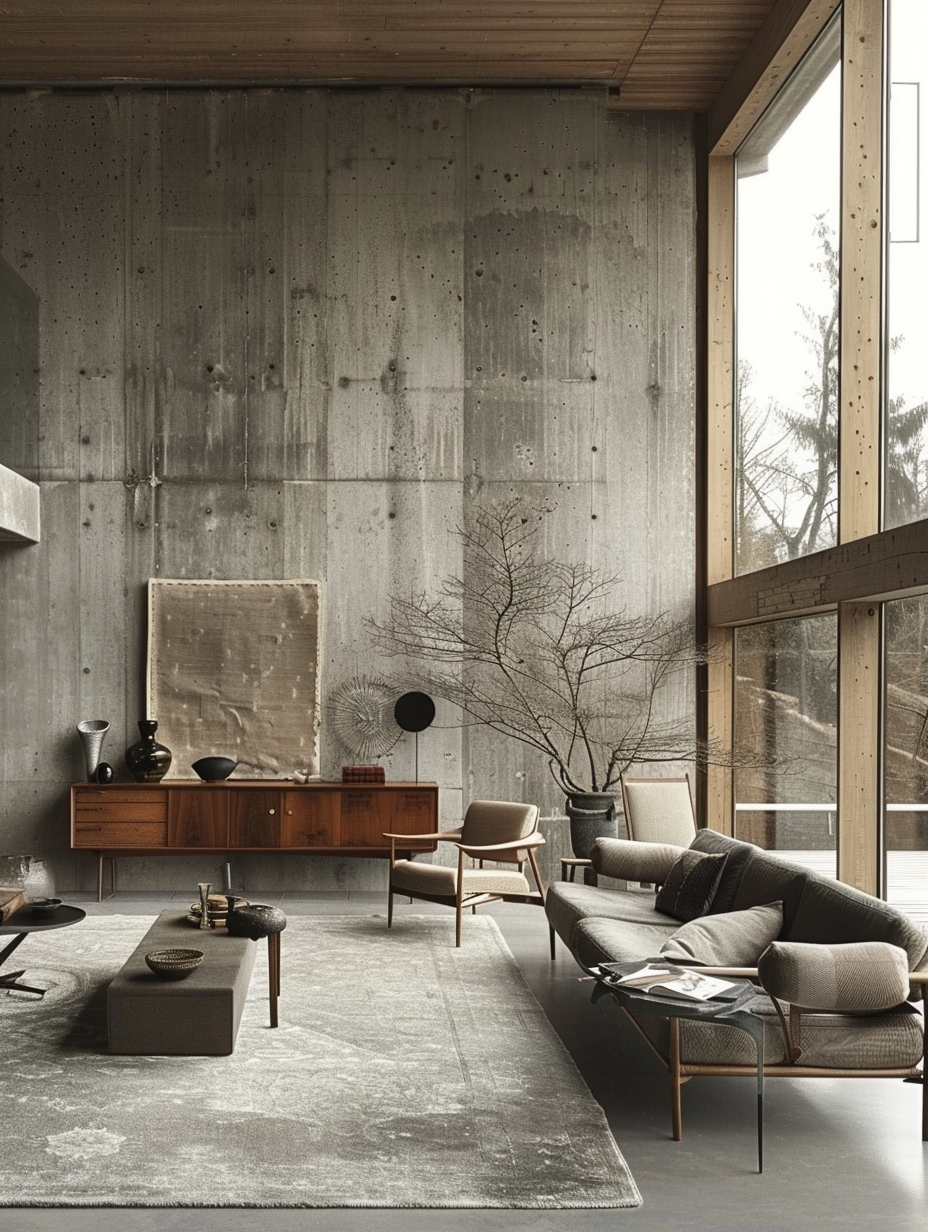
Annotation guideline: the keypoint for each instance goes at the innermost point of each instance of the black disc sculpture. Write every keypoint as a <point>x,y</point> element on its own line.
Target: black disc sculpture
<point>414,712</point>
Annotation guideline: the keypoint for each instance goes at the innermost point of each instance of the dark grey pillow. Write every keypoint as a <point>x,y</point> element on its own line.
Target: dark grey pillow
<point>689,886</point>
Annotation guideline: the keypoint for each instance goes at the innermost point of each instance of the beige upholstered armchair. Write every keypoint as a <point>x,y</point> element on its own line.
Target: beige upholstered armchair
<point>497,831</point>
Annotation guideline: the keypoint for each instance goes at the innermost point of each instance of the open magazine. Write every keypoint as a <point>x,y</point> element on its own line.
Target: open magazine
<point>668,981</point>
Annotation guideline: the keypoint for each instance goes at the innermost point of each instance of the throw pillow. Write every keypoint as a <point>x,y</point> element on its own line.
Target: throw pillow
<point>734,939</point>
<point>688,889</point>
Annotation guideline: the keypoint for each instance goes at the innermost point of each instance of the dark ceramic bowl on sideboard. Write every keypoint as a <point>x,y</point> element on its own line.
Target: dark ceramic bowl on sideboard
<point>213,769</point>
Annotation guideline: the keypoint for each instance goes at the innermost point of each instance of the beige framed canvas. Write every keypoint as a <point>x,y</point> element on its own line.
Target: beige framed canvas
<point>233,670</point>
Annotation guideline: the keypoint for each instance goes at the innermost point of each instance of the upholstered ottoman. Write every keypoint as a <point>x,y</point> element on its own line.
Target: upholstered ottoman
<point>197,1016</point>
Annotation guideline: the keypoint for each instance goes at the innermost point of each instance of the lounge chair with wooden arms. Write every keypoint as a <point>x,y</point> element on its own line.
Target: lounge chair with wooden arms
<point>500,832</point>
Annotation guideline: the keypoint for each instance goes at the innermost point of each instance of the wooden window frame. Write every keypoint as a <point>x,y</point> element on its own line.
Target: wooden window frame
<point>868,566</point>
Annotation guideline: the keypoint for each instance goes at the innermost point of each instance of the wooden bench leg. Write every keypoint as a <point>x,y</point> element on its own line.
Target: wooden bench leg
<point>273,973</point>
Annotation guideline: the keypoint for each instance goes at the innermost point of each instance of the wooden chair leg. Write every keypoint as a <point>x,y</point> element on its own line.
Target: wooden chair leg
<point>676,1098</point>
<point>390,907</point>
<point>457,925</point>
<point>552,938</point>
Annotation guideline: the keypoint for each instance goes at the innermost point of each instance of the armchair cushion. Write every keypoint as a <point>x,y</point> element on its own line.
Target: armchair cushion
<point>441,881</point>
<point>690,885</point>
<point>634,861</point>
<point>862,977</point>
<point>736,939</point>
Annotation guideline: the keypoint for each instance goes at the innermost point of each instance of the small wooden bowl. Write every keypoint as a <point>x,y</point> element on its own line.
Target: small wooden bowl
<point>173,964</point>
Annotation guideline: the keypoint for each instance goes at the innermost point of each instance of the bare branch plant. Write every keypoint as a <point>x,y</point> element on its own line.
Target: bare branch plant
<point>535,649</point>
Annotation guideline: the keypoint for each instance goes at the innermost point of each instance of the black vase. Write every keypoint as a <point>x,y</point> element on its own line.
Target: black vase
<point>147,760</point>
<point>592,816</point>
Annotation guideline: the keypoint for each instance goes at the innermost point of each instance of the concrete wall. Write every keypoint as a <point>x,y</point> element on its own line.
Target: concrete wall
<point>298,334</point>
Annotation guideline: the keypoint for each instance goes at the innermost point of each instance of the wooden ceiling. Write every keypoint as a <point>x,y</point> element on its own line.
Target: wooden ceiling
<point>659,54</point>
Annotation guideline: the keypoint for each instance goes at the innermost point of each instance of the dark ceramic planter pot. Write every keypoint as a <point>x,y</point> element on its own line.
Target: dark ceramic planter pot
<point>592,816</point>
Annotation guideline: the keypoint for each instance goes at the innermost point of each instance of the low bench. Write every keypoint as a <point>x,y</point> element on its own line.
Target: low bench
<point>197,1016</point>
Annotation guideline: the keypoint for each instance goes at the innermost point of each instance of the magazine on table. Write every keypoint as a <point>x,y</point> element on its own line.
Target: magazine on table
<point>668,981</point>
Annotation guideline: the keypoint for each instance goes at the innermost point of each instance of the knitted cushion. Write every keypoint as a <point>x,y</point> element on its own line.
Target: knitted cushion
<point>736,939</point>
<point>689,886</point>
<point>860,977</point>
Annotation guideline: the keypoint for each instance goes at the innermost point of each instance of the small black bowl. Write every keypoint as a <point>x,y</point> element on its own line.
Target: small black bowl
<point>212,769</point>
<point>44,906</point>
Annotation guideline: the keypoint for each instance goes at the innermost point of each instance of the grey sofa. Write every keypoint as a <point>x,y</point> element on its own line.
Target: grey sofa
<point>838,971</point>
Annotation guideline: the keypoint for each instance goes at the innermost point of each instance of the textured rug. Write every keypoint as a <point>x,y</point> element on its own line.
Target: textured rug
<point>404,1073</point>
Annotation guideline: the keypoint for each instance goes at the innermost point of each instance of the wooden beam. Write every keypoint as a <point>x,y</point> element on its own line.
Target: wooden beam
<point>720,315</point>
<point>859,480</point>
<point>720,810</point>
<point>720,459</point>
<point>781,42</point>
<point>859,788</point>
<point>890,564</point>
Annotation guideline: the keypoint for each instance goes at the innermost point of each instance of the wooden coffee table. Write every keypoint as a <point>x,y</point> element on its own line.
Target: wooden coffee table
<point>20,925</point>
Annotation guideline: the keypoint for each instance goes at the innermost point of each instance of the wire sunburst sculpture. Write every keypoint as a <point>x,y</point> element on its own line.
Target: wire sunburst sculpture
<point>362,716</point>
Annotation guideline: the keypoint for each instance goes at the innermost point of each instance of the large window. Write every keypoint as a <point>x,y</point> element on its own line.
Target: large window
<point>787,210</point>
<point>906,416</point>
<point>906,755</point>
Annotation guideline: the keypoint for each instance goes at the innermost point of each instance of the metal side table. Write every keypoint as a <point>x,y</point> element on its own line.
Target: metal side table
<point>731,1012</point>
<point>24,922</point>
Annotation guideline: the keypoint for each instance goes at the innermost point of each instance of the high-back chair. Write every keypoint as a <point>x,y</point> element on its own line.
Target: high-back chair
<point>498,831</point>
<point>659,810</point>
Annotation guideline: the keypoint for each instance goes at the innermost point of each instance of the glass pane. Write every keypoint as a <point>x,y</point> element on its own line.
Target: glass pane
<point>906,755</point>
<point>786,739</point>
<point>906,447</point>
<point>786,400</point>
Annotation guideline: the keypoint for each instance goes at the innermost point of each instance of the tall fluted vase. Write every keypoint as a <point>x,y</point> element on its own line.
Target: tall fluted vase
<point>92,733</point>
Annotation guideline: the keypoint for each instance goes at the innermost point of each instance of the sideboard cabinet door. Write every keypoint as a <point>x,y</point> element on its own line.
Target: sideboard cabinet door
<point>254,818</point>
<point>198,817</point>
<point>311,818</point>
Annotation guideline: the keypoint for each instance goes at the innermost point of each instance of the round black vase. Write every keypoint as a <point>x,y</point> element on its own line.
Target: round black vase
<point>255,920</point>
<point>592,816</point>
<point>147,760</point>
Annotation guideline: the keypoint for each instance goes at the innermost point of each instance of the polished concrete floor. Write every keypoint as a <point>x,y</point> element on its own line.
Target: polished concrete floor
<point>840,1154</point>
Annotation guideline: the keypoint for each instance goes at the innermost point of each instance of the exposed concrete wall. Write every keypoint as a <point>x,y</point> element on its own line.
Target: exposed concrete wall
<point>300,334</point>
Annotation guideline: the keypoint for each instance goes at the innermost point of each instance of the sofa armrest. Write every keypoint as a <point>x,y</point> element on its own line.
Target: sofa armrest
<point>632,861</point>
<point>862,977</point>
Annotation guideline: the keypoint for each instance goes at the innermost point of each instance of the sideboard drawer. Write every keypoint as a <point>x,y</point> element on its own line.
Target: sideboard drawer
<point>99,834</point>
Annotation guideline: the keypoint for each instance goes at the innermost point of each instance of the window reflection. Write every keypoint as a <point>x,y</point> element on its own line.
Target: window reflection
<point>786,738</point>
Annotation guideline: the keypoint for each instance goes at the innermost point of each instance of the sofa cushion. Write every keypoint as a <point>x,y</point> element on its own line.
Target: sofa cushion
<point>891,1040</point>
<point>830,912</point>
<point>566,903</point>
<point>861,977</point>
<point>596,940</point>
<point>713,843</point>
<point>768,878</point>
<point>689,885</point>
<point>736,939</point>
<point>632,861</point>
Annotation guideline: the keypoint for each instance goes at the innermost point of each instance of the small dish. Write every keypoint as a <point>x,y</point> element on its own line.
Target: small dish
<point>44,906</point>
<point>173,964</point>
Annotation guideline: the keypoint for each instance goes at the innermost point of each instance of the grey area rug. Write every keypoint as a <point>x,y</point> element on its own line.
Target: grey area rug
<point>404,1073</point>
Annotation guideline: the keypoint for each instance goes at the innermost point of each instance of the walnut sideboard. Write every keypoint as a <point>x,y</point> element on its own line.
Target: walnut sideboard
<point>182,817</point>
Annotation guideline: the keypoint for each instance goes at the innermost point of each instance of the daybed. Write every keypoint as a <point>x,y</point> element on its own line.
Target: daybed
<point>838,970</point>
